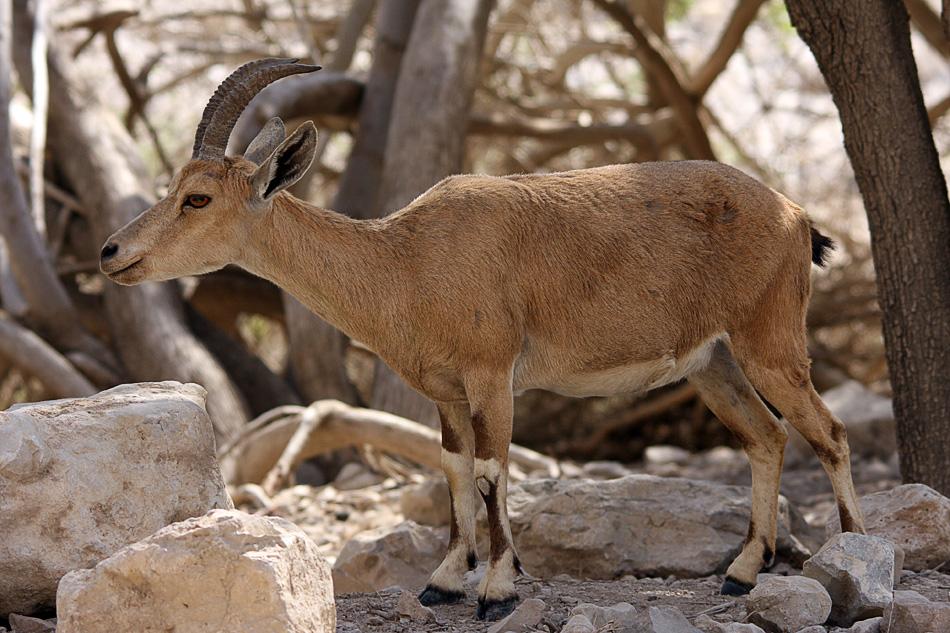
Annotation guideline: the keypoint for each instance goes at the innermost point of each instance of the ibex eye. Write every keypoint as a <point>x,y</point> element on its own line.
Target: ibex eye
<point>197,200</point>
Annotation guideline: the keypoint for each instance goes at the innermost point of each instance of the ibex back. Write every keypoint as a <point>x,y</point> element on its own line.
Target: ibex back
<point>590,282</point>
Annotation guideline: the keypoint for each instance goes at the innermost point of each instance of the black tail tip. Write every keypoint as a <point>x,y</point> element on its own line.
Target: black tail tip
<point>821,247</point>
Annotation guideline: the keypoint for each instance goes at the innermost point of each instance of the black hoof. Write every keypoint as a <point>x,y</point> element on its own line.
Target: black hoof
<point>733,587</point>
<point>495,609</point>
<point>432,596</point>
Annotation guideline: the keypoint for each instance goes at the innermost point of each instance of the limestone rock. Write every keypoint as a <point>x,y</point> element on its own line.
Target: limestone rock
<point>525,617</point>
<point>109,470</point>
<point>868,418</point>
<point>427,503</point>
<point>225,571</point>
<point>785,604</point>
<point>871,625</point>
<point>405,555</point>
<point>410,607</point>
<point>858,572</point>
<point>622,613</point>
<point>639,525</point>
<point>662,620</point>
<point>26,624</point>
<point>910,612</point>
<point>578,624</point>
<point>913,516</point>
<point>736,627</point>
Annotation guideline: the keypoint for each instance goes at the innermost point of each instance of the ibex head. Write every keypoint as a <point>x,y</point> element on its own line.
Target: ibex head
<point>213,202</point>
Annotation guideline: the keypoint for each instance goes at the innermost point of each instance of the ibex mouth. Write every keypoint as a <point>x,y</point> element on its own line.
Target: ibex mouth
<point>121,276</point>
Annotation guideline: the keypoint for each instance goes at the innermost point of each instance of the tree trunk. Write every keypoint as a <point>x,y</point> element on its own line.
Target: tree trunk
<point>97,156</point>
<point>426,136</point>
<point>50,310</point>
<point>863,49</point>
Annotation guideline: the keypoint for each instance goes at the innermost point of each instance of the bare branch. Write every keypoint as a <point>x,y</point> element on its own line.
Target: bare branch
<point>729,41</point>
<point>930,25</point>
<point>36,357</point>
<point>667,76</point>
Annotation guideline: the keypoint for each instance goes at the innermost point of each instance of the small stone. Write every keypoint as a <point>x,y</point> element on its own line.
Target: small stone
<point>736,627</point>
<point>26,624</point>
<point>871,625</point>
<point>410,607</point>
<point>857,571</point>
<point>578,624</point>
<point>910,612</point>
<point>788,603</point>
<point>623,613</point>
<point>664,619</point>
<point>662,454</point>
<point>525,617</point>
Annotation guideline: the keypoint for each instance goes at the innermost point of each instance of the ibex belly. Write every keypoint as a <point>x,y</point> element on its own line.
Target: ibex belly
<point>639,376</point>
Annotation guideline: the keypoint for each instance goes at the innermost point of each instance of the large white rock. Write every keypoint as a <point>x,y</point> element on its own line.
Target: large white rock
<point>910,612</point>
<point>858,573</point>
<point>913,516</point>
<point>785,604</point>
<point>225,571</point>
<point>405,555</point>
<point>639,525</point>
<point>81,478</point>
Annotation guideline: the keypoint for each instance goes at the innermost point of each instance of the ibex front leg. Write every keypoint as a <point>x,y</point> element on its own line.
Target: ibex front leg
<point>491,400</point>
<point>458,453</point>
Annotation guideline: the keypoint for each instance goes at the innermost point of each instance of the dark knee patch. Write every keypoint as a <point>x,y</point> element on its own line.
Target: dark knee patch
<point>499,544</point>
<point>472,560</point>
<point>768,556</point>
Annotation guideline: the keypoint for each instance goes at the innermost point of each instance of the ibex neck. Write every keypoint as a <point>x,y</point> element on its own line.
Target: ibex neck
<point>332,264</point>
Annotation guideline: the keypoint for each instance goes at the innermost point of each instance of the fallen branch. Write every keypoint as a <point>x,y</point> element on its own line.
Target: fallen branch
<point>332,425</point>
<point>36,357</point>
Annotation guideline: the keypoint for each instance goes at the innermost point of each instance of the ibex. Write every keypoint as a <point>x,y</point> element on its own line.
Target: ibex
<point>590,282</point>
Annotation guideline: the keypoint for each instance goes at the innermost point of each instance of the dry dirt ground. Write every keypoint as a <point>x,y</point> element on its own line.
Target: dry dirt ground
<point>332,517</point>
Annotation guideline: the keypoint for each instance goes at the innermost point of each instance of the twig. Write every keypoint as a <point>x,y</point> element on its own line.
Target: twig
<point>311,418</point>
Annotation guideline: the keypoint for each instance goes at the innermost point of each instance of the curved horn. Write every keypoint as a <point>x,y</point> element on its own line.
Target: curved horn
<point>232,96</point>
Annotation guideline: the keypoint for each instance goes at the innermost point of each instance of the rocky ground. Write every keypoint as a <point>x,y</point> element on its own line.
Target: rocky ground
<point>331,517</point>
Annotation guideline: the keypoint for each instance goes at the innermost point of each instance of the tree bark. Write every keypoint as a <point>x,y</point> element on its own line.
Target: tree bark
<point>97,157</point>
<point>426,136</point>
<point>864,51</point>
<point>50,310</point>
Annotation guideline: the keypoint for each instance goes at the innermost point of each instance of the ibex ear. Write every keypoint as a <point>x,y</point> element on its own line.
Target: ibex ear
<point>267,140</point>
<point>287,164</point>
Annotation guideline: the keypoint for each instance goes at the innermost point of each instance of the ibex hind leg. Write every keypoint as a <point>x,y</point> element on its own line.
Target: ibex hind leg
<point>790,390</point>
<point>729,395</point>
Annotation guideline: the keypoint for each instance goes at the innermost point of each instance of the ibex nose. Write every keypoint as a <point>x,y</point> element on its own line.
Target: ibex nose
<point>109,250</point>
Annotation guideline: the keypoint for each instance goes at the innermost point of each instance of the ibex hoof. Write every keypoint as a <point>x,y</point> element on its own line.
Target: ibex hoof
<point>733,587</point>
<point>432,596</point>
<point>495,609</point>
